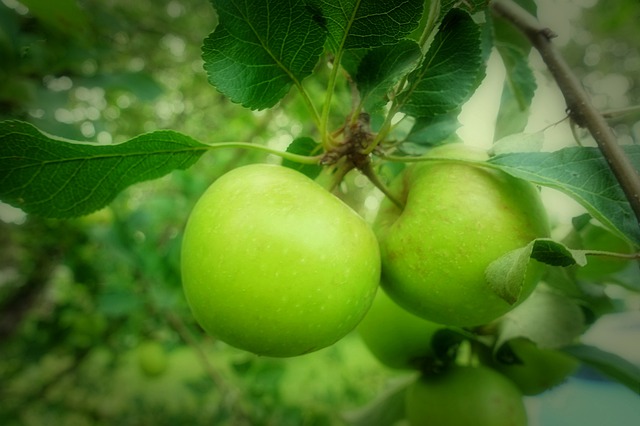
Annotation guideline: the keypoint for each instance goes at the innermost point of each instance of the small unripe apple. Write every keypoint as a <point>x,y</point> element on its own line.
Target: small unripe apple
<point>400,339</point>
<point>274,264</point>
<point>464,396</point>
<point>152,358</point>
<point>457,219</point>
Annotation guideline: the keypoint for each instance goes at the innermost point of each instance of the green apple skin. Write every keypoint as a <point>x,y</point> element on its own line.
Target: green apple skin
<point>274,264</point>
<point>595,237</point>
<point>537,369</point>
<point>463,396</point>
<point>458,218</point>
<point>396,337</point>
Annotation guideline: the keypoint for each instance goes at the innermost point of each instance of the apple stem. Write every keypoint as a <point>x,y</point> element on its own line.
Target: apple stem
<point>330,177</point>
<point>368,171</point>
<point>579,105</point>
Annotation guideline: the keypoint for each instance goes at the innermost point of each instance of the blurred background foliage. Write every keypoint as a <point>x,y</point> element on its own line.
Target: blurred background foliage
<point>603,47</point>
<point>82,301</point>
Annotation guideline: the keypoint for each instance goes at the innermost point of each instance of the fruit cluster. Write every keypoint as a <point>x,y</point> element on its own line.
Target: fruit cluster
<point>274,264</point>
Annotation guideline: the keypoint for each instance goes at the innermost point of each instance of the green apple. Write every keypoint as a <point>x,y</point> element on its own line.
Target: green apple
<point>533,369</point>
<point>458,218</point>
<point>274,264</point>
<point>463,396</point>
<point>399,339</point>
<point>152,358</point>
<point>595,237</point>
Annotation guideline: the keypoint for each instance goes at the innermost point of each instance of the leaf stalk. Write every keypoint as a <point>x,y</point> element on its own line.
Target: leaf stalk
<point>302,159</point>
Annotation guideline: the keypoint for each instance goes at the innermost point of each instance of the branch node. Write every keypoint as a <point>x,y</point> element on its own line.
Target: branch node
<point>548,33</point>
<point>580,109</point>
<point>576,116</point>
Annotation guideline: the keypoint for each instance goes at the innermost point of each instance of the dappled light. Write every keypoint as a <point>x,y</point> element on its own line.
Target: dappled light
<point>351,213</point>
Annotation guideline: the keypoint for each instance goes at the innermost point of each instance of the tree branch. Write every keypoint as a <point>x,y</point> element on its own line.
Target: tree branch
<point>579,105</point>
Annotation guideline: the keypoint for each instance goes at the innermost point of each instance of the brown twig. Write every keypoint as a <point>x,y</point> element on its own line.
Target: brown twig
<point>579,106</point>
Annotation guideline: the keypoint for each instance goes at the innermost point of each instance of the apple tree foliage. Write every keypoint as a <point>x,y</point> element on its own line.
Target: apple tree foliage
<point>381,83</point>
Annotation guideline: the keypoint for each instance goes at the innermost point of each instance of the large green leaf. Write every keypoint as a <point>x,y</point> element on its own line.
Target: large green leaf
<point>428,132</point>
<point>260,49</point>
<point>304,146</point>
<point>353,24</point>
<point>546,317</point>
<point>58,178</point>
<point>382,68</point>
<point>584,175</point>
<point>449,72</point>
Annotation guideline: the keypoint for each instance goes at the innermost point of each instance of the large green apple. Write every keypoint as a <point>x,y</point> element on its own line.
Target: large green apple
<point>463,396</point>
<point>533,369</point>
<point>457,219</point>
<point>274,264</point>
<point>400,339</point>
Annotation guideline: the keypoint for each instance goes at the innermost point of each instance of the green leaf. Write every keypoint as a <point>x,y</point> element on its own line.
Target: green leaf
<point>583,174</point>
<point>520,79</point>
<point>382,68</point>
<point>441,8</point>
<point>611,365</point>
<point>520,84</point>
<point>260,49</point>
<point>556,254</point>
<point>472,6</point>
<point>353,24</point>
<point>518,142</point>
<point>506,274</point>
<point>449,72</point>
<point>304,146</point>
<point>505,33</point>
<point>517,93</point>
<point>549,319</point>
<point>65,16</point>
<point>58,178</point>
<point>351,61</point>
<point>428,132</point>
